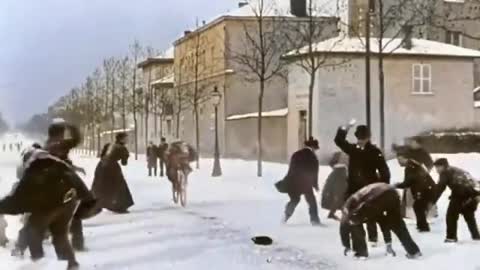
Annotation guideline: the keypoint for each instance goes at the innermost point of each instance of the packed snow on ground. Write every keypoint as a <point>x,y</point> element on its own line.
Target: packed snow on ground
<point>214,231</point>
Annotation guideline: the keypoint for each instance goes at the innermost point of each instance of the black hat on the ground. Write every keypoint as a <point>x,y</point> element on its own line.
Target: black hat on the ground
<point>441,162</point>
<point>363,132</point>
<point>262,240</point>
<point>312,143</point>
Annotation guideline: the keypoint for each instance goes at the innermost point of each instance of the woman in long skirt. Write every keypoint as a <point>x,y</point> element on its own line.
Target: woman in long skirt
<point>333,194</point>
<point>109,185</point>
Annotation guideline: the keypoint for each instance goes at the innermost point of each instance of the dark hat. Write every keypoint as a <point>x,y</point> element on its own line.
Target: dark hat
<point>312,143</point>
<point>363,132</point>
<point>262,240</point>
<point>69,134</point>
<point>441,162</point>
<point>120,136</point>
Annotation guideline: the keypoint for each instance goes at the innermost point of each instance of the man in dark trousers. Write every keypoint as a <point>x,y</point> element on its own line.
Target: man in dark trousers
<point>464,198</point>
<point>421,184</point>
<point>367,165</point>
<point>302,179</point>
<point>152,156</point>
<point>162,148</point>
<point>378,202</point>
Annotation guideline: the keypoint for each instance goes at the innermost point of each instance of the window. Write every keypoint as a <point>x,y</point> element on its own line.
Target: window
<point>455,38</point>
<point>422,79</point>
<point>169,127</point>
<point>476,97</point>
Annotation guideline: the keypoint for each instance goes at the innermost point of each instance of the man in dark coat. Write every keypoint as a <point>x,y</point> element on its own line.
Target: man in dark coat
<point>379,202</point>
<point>422,187</point>
<point>162,148</point>
<point>464,198</point>
<point>302,179</point>
<point>367,165</point>
<point>152,156</point>
<point>50,191</point>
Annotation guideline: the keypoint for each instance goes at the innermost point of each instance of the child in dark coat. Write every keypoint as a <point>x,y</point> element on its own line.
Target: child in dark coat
<point>335,188</point>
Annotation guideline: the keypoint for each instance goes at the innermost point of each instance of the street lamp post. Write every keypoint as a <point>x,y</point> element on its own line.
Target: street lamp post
<point>216,98</point>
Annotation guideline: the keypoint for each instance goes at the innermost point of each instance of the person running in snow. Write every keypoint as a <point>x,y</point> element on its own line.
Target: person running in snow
<point>379,202</point>
<point>50,191</point>
<point>464,198</point>
<point>419,181</point>
<point>367,165</point>
<point>162,148</point>
<point>302,179</point>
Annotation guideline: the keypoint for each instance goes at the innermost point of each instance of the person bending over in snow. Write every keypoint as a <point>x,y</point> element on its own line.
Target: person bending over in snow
<point>366,165</point>
<point>464,198</point>
<point>421,184</point>
<point>379,202</point>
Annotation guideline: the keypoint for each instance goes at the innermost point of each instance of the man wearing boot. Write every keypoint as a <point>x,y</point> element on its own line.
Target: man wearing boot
<point>464,198</point>
<point>421,184</point>
<point>379,202</point>
<point>302,179</point>
<point>367,165</point>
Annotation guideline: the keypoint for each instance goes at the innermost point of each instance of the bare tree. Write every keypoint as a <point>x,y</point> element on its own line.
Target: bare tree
<point>303,34</point>
<point>135,52</point>
<point>259,60</point>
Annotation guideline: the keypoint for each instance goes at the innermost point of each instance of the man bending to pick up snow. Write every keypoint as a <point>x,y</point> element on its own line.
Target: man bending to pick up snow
<point>463,199</point>
<point>379,202</point>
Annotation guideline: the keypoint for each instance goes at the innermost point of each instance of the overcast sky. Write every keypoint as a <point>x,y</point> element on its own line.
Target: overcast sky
<point>49,46</point>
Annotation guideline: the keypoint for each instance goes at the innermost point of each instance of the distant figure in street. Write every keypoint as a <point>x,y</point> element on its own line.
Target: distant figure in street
<point>335,188</point>
<point>379,202</point>
<point>152,156</point>
<point>302,179</point>
<point>421,184</point>
<point>367,165</point>
<point>4,147</point>
<point>109,184</point>
<point>162,148</point>
<point>11,147</point>
<point>464,198</point>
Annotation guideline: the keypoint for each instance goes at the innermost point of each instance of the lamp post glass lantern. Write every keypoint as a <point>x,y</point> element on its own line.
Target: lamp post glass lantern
<point>216,100</point>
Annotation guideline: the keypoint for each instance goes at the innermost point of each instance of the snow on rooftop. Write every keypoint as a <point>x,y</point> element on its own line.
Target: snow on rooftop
<point>343,44</point>
<point>274,113</point>
<point>167,54</point>
<point>282,8</point>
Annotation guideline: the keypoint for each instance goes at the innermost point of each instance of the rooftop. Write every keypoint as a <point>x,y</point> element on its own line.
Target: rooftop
<point>165,57</point>
<point>353,45</point>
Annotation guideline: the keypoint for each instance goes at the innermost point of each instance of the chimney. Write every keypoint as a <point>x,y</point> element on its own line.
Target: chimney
<point>407,38</point>
<point>298,8</point>
<point>242,4</point>
<point>187,32</point>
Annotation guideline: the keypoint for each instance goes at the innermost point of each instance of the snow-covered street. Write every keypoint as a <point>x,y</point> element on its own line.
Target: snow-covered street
<point>214,231</point>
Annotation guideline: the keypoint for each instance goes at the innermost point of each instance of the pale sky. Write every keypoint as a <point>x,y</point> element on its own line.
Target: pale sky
<point>49,46</point>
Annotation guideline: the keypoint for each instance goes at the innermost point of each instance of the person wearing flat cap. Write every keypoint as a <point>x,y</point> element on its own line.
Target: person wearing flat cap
<point>367,165</point>
<point>302,179</point>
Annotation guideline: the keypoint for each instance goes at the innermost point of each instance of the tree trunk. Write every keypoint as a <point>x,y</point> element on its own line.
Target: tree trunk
<point>99,142</point>
<point>311,88</point>
<point>124,108</point>
<point>381,80</point>
<point>177,129</point>
<point>259,132</point>
<point>197,135</point>
<point>113,104</point>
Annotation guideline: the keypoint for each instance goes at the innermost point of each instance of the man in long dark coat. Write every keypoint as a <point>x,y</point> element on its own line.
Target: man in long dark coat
<point>152,159</point>
<point>464,198</point>
<point>302,179</point>
<point>378,202</point>
<point>367,165</point>
<point>421,184</point>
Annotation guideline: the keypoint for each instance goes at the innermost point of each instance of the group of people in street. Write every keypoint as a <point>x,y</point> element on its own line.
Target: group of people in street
<point>12,147</point>
<point>156,157</point>
<point>359,185</point>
